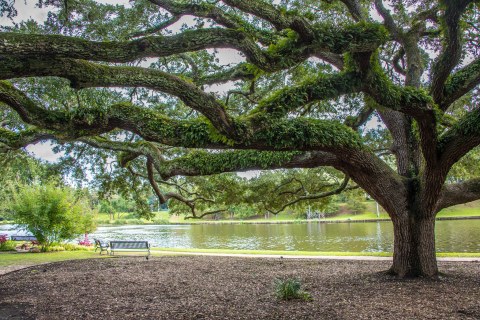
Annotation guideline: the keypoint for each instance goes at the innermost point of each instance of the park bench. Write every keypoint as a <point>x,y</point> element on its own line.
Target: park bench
<point>142,246</point>
<point>23,238</point>
<point>102,245</point>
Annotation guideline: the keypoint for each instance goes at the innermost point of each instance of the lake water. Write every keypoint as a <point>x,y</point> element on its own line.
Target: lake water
<point>451,236</point>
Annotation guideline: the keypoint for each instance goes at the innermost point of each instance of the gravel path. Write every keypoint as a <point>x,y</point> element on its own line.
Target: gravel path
<point>205,287</point>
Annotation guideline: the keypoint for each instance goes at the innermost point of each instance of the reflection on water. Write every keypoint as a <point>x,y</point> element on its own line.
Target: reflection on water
<point>452,236</point>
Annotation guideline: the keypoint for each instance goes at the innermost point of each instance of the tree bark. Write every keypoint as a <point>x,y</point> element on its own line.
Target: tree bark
<point>414,246</point>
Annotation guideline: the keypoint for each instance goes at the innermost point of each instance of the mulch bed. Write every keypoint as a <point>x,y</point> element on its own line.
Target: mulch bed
<point>201,287</point>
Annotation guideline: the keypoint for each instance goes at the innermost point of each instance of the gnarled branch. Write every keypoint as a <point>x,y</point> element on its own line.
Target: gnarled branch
<point>458,193</point>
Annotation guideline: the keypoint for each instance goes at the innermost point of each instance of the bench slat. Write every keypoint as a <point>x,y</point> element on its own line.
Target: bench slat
<point>129,246</point>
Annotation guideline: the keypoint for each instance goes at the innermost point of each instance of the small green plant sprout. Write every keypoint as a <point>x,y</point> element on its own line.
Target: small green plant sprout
<point>289,288</point>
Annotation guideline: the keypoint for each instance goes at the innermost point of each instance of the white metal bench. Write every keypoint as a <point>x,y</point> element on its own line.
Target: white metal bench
<point>142,246</point>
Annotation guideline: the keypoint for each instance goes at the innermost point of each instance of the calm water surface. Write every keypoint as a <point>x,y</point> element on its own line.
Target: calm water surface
<point>451,236</point>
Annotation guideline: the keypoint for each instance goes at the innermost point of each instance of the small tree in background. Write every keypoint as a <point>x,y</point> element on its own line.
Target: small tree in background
<point>51,213</point>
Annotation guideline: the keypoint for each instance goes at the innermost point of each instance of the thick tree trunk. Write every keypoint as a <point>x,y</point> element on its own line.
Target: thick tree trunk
<point>414,246</point>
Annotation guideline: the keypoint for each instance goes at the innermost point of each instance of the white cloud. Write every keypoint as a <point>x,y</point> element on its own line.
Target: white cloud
<point>26,10</point>
<point>43,151</point>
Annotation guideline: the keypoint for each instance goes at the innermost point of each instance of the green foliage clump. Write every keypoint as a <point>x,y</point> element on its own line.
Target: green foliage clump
<point>306,133</point>
<point>51,213</point>
<point>209,163</point>
<point>57,246</point>
<point>462,77</point>
<point>360,37</point>
<point>7,245</point>
<point>319,87</point>
<point>288,289</point>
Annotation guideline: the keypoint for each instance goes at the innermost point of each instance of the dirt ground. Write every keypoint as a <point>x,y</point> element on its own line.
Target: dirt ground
<point>202,287</point>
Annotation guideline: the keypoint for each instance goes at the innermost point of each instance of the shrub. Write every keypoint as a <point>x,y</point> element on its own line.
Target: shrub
<point>74,247</point>
<point>287,289</point>
<point>134,221</point>
<point>56,246</point>
<point>5,244</point>
<point>160,221</point>
<point>52,248</point>
<point>51,213</point>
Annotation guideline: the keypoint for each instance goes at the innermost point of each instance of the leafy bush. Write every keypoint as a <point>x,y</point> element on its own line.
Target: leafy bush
<point>161,221</point>
<point>51,213</point>
<point>243,211</point>
<point>74,247</point>
<point>8,246</point>
<point>287,289</point>
<point>54,248</point>
<point>5,244</point>
<point>119,222</point>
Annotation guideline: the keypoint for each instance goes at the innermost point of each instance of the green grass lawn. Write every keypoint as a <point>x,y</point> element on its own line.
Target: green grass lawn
<point>13,258</point>
<point>471,209</point>
<point>310,253</point>
<point>274,252</point>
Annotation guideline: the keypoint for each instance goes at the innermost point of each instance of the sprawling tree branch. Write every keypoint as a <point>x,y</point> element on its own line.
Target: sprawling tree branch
<point>10,140</point>
<point>458,193</point>
<point>451,52</point>
<point>460,139</point>
<point>85,74</point>
<point>460,83</point>
<point>322,88</point>
<point>197,162</point>
<point>202,9</point>
<point>355,9</point>
<point>356,38</point>
<point>157,28</point>
<point>388,20</point>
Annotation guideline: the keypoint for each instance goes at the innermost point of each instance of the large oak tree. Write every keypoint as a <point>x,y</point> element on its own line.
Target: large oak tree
<point>312,74</point>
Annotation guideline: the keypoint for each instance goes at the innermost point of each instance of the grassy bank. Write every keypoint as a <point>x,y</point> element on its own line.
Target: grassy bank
<point>13,258</point>
<point>468,210</point>
<point>310,253</point>
<point>274,252</point>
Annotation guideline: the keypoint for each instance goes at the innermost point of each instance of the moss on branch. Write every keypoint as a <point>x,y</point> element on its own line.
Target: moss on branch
<point>460,139</point>
<point>359,37</point>
<point>460,83</point>
<point>409,100</point>
<point>15,140</point>
<point>467,128</point>
<point>34,45</point>
<point>287,100</point>
<point>307,134</point>
<point>259,132</point>
<point>204,163</point>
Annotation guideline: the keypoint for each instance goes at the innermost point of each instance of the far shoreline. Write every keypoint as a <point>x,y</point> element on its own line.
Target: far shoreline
<point>299,221</point>
<point>199,222</point>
